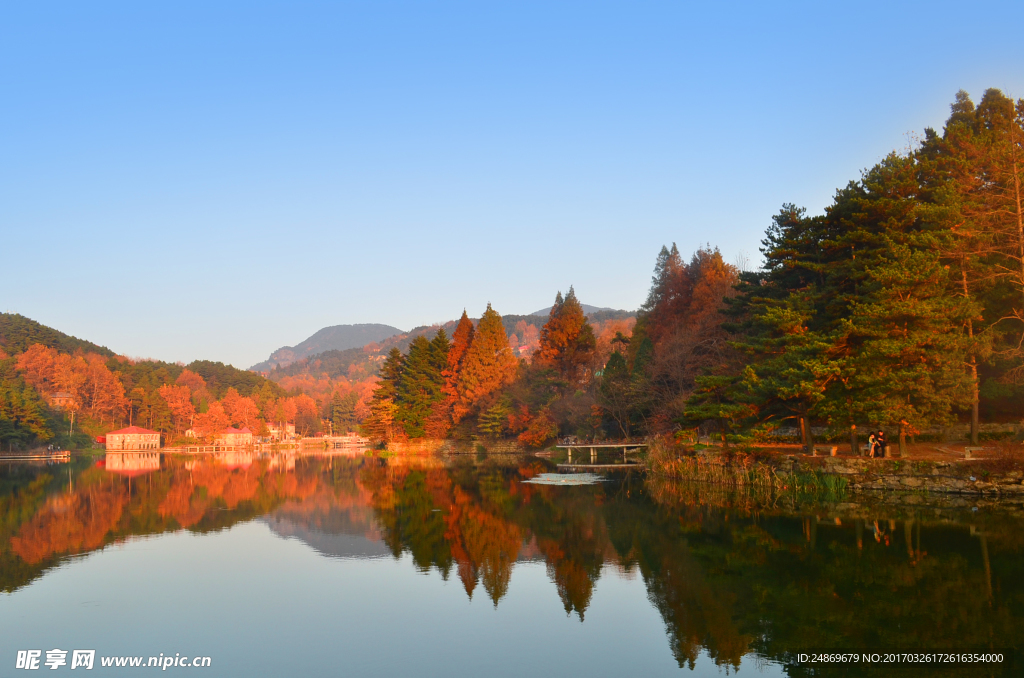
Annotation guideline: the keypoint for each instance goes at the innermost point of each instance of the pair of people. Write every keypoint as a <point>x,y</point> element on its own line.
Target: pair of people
<point>876,445</point>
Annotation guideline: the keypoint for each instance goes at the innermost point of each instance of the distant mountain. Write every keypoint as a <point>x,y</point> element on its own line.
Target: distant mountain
<point>587,308</point>
<point>336,338</point>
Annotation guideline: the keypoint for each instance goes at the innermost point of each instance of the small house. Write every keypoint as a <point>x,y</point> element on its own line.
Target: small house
<point>279,433</point>
<point>235,436</point>
<point>61,400</point>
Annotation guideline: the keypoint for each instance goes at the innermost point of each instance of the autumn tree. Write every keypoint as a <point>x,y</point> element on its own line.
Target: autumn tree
<point>197,385</point>
<point>488,365</point>
<point>307,415</point>
<point>211,422</point>
<point>679,331</point>
<point>448,411</point>
<point>179,400</point>
<point>241,410</point>
<point>567,341</point>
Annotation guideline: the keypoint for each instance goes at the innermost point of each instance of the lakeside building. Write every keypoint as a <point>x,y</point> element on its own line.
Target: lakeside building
<point>278,433</point>
<point>133,438</point>
<point>61,400</point>
<point>235,436</point>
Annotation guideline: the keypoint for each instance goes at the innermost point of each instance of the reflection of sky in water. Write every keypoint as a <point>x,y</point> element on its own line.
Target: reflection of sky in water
<point>261,605</point>
<point>287,567</point>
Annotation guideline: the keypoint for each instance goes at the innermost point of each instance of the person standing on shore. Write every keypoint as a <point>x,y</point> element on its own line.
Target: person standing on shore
<point>872,443</point>
<point>880,441</point>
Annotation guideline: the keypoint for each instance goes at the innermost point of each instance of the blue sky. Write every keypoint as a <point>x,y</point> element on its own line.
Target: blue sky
<point>215,180</point>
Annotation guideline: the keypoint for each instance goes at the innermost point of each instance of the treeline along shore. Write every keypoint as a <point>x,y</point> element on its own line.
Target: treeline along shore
<point>900,308</point>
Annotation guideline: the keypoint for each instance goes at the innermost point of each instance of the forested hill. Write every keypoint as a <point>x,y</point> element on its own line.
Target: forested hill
<point>354,363</point>
<point>18,333</point>
<point>106,391</point>
<point>334,338</point>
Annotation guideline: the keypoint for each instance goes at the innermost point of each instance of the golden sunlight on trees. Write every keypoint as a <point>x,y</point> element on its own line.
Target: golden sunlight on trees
<point>179,400</point>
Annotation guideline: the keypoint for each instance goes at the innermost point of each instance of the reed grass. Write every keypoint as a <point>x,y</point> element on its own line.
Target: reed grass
<point>742,471</point>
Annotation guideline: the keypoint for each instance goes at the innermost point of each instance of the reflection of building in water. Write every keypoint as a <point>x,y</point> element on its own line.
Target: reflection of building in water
<point>235,436</point>
<point>282,462</point>
<point>234,459</point>
<point>132,463</point>
<point>133,438</point>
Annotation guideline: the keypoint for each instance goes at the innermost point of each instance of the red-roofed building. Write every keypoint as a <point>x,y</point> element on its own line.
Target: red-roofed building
<point>133,438</point>
<point>235,436</point>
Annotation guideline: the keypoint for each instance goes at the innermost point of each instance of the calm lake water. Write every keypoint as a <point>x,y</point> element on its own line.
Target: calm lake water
<point>353,565</point>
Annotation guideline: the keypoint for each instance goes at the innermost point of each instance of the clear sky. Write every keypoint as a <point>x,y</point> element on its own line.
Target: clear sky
<point>186,180</point>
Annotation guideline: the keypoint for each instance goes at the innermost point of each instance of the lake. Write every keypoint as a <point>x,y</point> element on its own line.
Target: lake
<point>478,565</point>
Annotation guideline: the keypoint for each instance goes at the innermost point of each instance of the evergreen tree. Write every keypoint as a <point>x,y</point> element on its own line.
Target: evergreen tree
<point>420,386</point>
<point>907,366</point>
<point>343,412</point>
<point>22,411</point>
<point>715,398</point>
<point>955,188</point>
<point>792,368</point>
<point>381,423</point>
<point>616,395</point>
<point>494,421</point>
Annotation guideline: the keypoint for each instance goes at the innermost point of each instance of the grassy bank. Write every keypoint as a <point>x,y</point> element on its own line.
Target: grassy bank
<point>742,471</point>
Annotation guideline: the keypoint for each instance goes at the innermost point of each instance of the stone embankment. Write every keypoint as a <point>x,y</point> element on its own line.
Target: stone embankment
<point>986,477</point>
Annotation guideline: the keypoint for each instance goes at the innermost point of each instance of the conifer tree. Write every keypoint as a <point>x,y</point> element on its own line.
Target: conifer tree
<point>22,418</point>
<point>955,187</point>
<point>715,399</point>
<point>448,411</point>
<point>907,369</point>
<point>343,411</point>
<point>383,407</point>
<point>615,394</point>
<point>792,368</point>
<point>488,364</point>
<point>420,385</point>
<point>567,341</point>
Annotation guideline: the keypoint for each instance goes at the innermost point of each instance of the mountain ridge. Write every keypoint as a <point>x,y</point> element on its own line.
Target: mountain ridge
<point>333,338</point>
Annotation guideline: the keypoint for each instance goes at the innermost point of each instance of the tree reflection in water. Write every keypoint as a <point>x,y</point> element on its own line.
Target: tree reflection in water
<point>731,575</point>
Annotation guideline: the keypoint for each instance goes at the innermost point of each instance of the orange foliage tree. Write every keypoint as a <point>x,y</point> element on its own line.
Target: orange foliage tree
<point>241,410</point>
<point>488,364</point>
<point>179,400</point>
<point>211,422</point>
<point>93,388</point>
<point>567,341</point>
<point>195,383</point>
